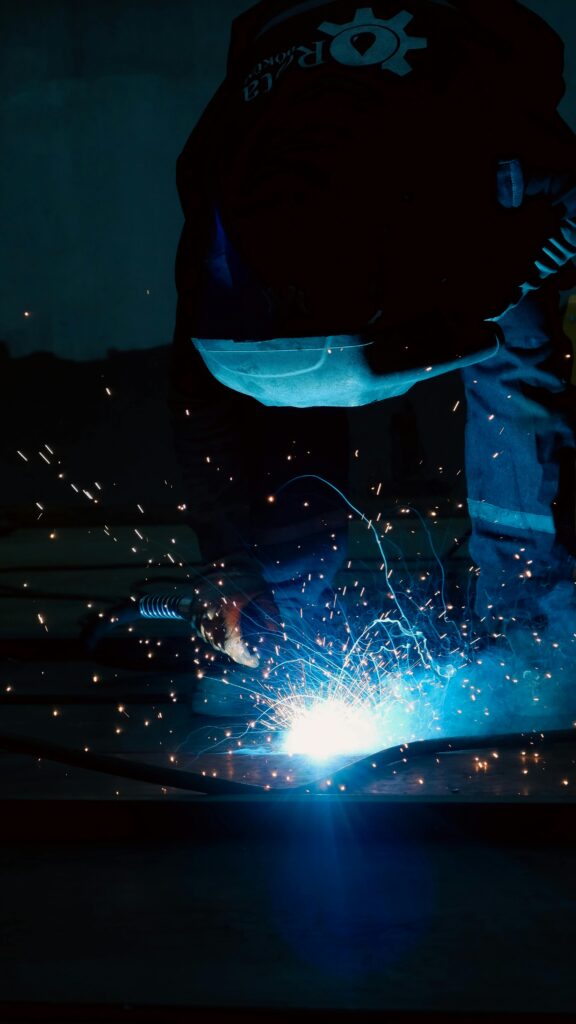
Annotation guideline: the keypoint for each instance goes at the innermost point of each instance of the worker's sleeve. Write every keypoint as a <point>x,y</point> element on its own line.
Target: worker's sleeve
<point>518,183</point>
<point>556,256</point>
<point>212,439</point>
<point>554,262</point>
<point>545,167</point>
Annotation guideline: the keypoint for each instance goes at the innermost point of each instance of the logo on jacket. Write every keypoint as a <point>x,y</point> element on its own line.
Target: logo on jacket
<point>366,41</point>
<point>370,40</point>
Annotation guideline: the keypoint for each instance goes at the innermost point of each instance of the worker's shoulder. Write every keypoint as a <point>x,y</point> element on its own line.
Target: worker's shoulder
<point>511,19</point>
<point>531,53</point>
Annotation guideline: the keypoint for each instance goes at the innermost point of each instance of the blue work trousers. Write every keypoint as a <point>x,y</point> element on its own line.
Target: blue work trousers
<point>520,437</point>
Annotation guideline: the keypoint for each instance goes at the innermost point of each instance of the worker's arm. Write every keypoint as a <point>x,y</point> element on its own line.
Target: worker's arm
<point>537,183</point>
<point>212,429</point>
<point>555,258</point>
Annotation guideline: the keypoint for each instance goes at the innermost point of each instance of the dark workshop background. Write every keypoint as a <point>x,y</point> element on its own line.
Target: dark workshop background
<point>98,98</point>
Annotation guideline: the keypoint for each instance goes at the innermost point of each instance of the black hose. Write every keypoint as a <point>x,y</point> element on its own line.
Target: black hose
<point>175,778</point>
<point>149,606</point>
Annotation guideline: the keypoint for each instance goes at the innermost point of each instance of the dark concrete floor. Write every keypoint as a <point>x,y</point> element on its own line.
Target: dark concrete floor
<point>314,920</point>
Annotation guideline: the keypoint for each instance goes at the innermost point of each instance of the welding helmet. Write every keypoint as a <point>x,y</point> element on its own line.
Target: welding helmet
<point>311,372</point>
<point>278,353</point>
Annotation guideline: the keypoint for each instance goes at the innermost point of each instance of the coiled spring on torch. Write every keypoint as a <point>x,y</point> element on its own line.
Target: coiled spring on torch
<point>161,606</point>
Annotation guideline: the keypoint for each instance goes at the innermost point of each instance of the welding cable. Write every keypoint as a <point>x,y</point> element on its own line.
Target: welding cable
<point>173,778</point>
<point>359,772</point>
<point>98,626</point>
<point>149,606</point>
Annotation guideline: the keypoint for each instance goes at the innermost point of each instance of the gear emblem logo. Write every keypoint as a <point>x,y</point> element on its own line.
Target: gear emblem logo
<point>370,40</point>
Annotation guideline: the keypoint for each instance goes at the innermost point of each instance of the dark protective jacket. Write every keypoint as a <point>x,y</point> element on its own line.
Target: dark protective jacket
<point>352,155</point>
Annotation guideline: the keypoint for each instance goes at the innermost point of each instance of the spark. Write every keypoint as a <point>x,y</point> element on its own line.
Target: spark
<point>352,685</point>
<point>378,668</point>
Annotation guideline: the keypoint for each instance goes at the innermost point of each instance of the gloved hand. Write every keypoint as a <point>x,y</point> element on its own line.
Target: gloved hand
<point>221,605</point>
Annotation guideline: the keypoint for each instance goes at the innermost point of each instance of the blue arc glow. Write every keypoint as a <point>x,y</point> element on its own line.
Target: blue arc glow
<point>327,728</point>
<point>391,662</point>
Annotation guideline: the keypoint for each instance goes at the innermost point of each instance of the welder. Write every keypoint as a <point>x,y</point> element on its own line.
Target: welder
<point>375,196</point>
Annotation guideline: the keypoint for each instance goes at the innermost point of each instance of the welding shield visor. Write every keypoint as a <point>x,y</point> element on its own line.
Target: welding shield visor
<point>289,358</point>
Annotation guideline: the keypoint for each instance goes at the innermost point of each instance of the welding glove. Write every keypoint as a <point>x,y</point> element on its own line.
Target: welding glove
<point>228,605</point>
